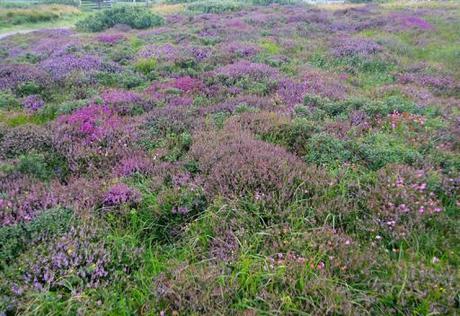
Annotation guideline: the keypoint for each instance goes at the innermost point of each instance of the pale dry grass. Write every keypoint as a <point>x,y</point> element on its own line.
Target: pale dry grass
<point>165,9</point>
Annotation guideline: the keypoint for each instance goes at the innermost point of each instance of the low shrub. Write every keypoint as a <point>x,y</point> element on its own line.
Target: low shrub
<point>381,149</point>
<point>325,149</point>
<point>136,17</point>
<point>215,6</point>
<point>19,237</point>
<point>145,65</point>
<point>24,139</point>
<point>237,165</point>
<point>91,137</point>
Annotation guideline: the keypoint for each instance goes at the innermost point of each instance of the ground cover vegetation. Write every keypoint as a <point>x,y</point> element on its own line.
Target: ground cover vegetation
<point>277,159</point>
<point>13,15</point>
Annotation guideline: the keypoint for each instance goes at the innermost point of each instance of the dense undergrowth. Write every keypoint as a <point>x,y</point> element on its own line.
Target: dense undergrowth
<point>269,160</point>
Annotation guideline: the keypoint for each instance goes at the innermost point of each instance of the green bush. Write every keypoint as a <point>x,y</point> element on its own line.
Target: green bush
<point>8,101</point>
<point>28,88</point>
<point>380,149</point>
<point>146,65</point>
<point>324,149</point>
<point>136,17</point>
<point>214,6</point>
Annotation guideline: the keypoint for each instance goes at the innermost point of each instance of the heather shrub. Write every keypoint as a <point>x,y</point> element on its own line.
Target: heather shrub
<point>378,150</point>
<point>111,38</point>
<point>125,102</point>
<point>79,258</point>
<point>91,137</point>
<point>23,198</point>
<point>133,163</point>
<point>236,165</point>
<point>324,149</point>
<point>121,195</point>
<point>19,237</point>
<point>167,120</point>
<point>14,75</point>
<point>256,78</point>
<point>33,103</point>
<point>267,125</point>
<point>136,17</point>
<point>351,47</point>
<point>24,139</point>
<point>75,68</point>
<point>401,199</point>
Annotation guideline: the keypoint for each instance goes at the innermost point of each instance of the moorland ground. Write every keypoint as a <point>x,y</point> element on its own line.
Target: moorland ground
<point>224,158</point>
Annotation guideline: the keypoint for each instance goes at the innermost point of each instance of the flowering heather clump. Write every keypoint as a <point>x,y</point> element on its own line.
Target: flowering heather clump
<point>33,103</point>
<point>292,92</point>
<point>245,69</point>
<point>79,258</point>
<point>13,75</point>
<point>239,49</point>
<point>353,46</point>
<point>176,92</point>
<point>133,163</point>
<point>121,194</point>
<point>24,139</point>
<point>188,84</point>
<point>22,199</point>
<point>92,134</point>
<point>111,38</point>
<point>62,66</point>
<point>438,82</point>
<point>401,198</point>
<point>167,52</point>
<point>124,102</point>
<point>237,165</point>
<point>411,22</point>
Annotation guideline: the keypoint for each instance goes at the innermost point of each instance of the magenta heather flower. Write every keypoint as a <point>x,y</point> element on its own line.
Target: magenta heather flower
<point>121,194</point>
<point>89,124</point>
<point>33,102</point>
